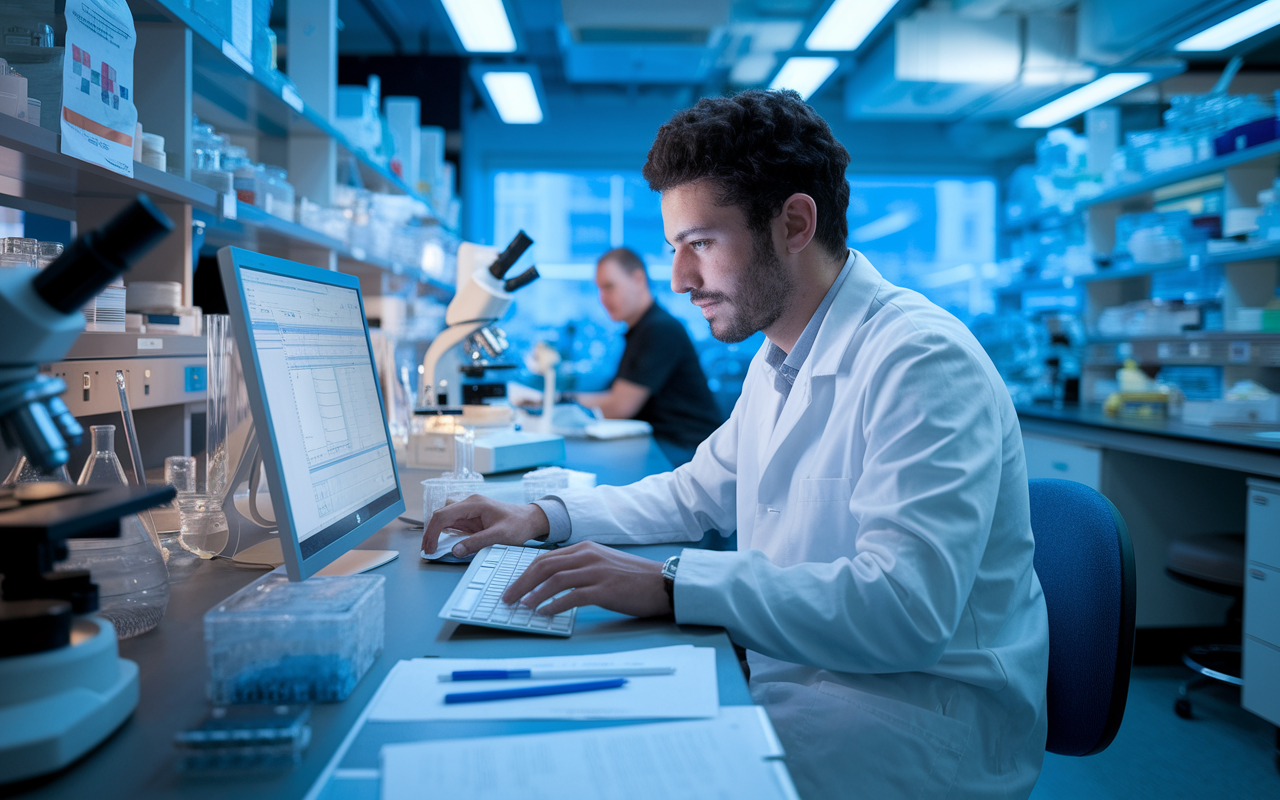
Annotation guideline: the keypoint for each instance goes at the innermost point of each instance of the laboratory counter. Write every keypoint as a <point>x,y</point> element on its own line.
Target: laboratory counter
<point>139,761</point>
<point>1253,450</point>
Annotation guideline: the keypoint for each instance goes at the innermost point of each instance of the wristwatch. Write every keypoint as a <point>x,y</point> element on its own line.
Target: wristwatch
<point>669,579</point>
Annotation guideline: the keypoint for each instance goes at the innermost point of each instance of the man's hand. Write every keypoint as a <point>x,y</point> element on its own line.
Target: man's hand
<point>488,521</point>
<point>598,575</point>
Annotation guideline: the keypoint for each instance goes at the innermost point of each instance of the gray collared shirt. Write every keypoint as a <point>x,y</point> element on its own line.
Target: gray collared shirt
<point>788,364</point>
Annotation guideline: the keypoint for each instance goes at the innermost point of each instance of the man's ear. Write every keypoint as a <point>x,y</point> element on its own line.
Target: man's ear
<point>798,222</point>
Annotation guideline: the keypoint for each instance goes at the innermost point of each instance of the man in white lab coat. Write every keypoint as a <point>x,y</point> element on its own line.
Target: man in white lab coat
<point>873,469</point>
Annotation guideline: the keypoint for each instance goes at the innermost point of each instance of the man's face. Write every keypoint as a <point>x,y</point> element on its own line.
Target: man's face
<point>620,292</point>
<point>734,276</point>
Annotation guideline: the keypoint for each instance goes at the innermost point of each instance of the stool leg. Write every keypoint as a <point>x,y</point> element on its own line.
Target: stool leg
<point>1182,706</point>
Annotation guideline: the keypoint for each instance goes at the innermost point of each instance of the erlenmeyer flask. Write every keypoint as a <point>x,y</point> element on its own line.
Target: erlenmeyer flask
<point>133,584</point>
<point>26,472</point>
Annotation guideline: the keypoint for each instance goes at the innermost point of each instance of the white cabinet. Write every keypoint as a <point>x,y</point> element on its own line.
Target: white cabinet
<point>1054,458</point>
<point>1261,663</point>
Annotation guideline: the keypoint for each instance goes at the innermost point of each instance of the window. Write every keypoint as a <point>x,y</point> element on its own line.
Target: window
<point>932,234</point>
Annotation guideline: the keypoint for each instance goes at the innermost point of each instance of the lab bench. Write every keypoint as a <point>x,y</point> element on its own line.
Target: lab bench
<point>139,761</point>
<point>1170,480</point>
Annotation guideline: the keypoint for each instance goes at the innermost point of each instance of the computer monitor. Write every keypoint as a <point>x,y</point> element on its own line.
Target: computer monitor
<point>317,408</point>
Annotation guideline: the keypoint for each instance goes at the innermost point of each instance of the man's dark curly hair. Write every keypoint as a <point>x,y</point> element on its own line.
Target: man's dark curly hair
<point>759,148</point>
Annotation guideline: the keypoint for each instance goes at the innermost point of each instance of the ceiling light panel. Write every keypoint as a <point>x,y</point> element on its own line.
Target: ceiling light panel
<point>514,97</point>
<point>1108,87</point>
<point>847,24</point>
<point>1229,32</point>
<point>804,74</point>
<point>482,25</point>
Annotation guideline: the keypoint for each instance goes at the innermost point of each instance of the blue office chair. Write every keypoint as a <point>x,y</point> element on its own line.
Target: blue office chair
<point>1084,560</point>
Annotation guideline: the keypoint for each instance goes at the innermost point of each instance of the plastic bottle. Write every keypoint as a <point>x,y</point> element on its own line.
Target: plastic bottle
<point>1132,379</point>
<point>133,583</point>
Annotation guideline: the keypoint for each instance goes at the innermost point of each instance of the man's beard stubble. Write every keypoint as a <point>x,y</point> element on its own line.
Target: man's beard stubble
<point>761,297</point>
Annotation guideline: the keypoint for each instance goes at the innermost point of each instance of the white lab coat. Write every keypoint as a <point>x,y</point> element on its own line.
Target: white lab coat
<point>883,584</point>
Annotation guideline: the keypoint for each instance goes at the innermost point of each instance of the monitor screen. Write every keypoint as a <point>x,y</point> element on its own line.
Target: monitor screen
<point>318,388</point>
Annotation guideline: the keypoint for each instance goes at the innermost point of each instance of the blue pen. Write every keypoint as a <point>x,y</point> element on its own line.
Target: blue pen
<point>533,691</point>
<point>553,674</point>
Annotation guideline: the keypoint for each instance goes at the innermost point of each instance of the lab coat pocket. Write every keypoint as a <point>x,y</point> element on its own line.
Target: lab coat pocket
<point>908,751</point>
<point>820,516</point>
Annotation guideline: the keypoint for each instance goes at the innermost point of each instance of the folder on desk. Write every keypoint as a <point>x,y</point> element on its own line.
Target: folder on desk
<point>735,754</point>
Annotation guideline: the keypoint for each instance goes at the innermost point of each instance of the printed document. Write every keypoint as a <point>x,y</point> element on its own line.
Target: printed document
<point>732,757</point>
<point>98,116</point>
<point>413,689</point>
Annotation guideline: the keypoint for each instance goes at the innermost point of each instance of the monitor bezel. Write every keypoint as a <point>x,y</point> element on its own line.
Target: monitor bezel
<point>230,262</point>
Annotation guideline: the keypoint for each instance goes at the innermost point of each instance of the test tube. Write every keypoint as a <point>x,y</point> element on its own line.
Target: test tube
<point>180,473</point>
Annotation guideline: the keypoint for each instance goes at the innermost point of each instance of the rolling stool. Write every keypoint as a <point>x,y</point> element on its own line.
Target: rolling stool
<point>1215,563</point>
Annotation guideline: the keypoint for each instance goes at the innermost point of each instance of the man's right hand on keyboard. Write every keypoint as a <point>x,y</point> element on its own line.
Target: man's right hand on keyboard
<point>488,522</point>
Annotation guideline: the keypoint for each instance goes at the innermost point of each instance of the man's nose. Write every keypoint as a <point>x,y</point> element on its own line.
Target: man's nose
<point>684,273</point>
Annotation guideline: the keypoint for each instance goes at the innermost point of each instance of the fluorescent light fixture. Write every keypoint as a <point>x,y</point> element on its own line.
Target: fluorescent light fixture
<point>1108,87</point>
<point>1245,25</point>
<point>482,25</point>
<point>514,96</point>
<point>847,24</point>
<point>805,74</point>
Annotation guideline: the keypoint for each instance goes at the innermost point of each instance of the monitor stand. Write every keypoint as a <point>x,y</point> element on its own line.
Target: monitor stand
<point>353,562</point>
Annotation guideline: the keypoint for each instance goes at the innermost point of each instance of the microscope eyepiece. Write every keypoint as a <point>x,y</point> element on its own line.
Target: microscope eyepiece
<point>97,257</point>
<point>498,269</point>
<point>523,279</point>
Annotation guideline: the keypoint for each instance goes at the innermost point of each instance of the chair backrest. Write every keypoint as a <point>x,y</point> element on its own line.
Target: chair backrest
<point>1084,560</point>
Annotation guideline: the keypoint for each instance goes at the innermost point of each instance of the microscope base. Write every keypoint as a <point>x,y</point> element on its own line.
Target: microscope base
<point>58,705</point>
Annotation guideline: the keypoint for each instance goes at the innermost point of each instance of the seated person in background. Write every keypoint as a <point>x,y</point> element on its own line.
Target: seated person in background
<point>659,379</point>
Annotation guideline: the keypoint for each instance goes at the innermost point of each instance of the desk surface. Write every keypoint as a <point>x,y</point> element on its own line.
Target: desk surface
<point>139,760</point>
<point>1226,447</point>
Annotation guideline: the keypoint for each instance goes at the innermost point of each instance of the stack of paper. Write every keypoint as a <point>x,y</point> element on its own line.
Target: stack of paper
<point>734,756</point>
<point>413,690</point>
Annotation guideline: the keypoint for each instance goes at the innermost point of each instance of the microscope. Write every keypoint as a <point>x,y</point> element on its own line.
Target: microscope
<point>63,686</point>
<point>470,346</point>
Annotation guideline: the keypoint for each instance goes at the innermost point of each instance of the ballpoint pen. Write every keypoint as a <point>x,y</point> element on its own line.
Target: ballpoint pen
<point>533,691</point>
<point>552,674</point>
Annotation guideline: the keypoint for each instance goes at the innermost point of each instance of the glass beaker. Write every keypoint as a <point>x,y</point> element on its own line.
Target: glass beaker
<point>16,251</point>
<point>133,583</point>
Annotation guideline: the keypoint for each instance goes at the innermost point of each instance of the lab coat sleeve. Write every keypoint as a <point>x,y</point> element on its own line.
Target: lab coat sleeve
<point>917,522</point>
<point>676,506</point>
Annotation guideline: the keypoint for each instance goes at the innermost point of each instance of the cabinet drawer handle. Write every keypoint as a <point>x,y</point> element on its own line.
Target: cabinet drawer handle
<point>1060,466</point>
<point>1259,499</point>
<point>1257,573</point>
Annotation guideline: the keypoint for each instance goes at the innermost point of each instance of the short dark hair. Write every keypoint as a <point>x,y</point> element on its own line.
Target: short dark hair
<point>759,147</point>
<point>625,257</point>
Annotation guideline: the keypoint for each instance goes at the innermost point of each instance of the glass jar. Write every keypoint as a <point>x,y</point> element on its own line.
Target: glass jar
<point>133,583</point>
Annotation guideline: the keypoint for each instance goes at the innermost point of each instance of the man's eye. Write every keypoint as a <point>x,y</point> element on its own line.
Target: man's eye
<point>699,245</point>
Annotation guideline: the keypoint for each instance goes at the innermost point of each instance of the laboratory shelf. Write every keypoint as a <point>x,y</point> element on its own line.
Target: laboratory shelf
<point>42,180</point>
<point>112,345</point>
<point>254,228</point>
<point>1186,172</point>
<point>1249,252</point>
<point>236,97</point>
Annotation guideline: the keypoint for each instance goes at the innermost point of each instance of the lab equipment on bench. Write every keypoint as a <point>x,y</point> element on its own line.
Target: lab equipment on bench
<point>472,345</point>
<point>477,600</point>
<point>63,686</point>
<point>319,421</point>
<point>276,641</point>
<point>133,582</point>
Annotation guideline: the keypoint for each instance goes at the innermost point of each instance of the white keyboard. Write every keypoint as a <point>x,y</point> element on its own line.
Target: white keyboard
<point>478,598</point>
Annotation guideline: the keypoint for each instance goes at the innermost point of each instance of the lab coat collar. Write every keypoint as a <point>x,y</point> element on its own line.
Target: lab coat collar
<point>849,309</point>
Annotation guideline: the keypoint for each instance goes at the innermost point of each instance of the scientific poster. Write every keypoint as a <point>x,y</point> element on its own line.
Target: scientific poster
<point>98,115</point>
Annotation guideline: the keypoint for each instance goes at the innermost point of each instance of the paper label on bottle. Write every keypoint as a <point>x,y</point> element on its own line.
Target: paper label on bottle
<point>291,97</point>
<point>151,344</point>
<point>99,119</point>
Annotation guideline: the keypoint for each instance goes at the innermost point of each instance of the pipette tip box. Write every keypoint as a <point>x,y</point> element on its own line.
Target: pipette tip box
<point>276,641</point>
